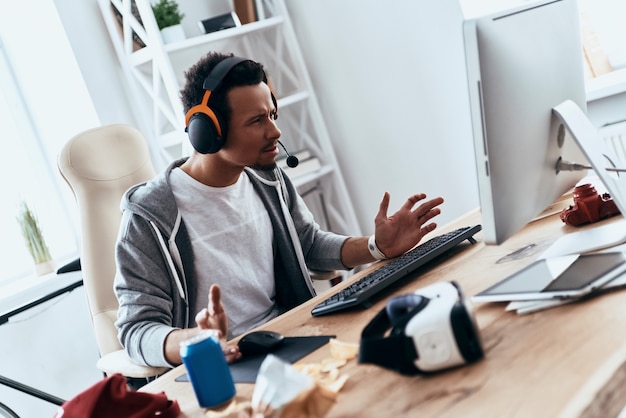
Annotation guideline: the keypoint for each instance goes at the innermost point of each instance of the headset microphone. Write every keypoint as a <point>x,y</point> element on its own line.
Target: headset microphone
<point>292,160</point>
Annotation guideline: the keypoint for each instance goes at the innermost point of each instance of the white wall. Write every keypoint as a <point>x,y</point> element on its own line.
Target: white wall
<point>390,79</point>
<point>95,55</point>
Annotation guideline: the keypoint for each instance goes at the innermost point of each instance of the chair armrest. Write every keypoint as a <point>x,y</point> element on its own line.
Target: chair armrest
<point>324,275</point>
<point>119,362</point>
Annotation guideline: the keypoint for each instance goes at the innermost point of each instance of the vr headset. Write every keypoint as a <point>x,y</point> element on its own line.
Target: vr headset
<point>431,329</point>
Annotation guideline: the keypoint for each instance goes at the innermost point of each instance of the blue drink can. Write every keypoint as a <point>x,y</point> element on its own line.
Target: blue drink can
<point>207,369</point>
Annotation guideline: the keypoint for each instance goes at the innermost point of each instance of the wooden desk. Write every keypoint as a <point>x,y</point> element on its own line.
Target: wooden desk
<point>562,362</point>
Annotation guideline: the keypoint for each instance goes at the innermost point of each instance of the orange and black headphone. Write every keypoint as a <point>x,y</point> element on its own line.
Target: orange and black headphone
<point>205,127</point>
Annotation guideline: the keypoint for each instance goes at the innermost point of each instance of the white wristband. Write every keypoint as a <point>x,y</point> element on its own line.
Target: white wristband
<point>374,250</point>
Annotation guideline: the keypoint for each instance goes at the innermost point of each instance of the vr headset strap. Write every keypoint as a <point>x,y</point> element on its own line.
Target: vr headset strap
<point>395,352</point>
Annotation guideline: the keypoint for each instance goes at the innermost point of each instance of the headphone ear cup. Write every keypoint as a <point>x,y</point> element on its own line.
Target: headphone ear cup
<point>203,134</point>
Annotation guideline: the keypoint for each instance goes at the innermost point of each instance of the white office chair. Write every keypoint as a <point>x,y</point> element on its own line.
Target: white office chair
<point>100,165</point>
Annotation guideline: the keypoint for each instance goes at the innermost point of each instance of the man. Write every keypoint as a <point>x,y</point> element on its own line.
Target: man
<point>228,224</point>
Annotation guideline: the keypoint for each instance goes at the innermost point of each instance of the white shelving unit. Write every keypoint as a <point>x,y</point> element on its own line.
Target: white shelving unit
<point>606,85</point>
<point>155,73</point>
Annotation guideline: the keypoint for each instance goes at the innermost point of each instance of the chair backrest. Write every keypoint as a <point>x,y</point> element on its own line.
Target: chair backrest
<point>100,165</point>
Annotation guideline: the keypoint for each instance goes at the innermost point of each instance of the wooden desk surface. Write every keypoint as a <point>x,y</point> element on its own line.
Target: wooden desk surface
<point>562,362</point>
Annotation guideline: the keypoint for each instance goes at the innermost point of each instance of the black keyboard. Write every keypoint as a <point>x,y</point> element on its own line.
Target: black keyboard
<point>363,289</point>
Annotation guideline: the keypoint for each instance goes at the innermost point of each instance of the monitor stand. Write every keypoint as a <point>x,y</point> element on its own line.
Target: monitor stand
<point>603,161</point>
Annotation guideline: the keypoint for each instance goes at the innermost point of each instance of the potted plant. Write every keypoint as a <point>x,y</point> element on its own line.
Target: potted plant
<point>169,18</point>
<point>35,242</point>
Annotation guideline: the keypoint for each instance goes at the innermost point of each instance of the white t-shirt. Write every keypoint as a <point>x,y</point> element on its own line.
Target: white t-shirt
<point>232,239</point>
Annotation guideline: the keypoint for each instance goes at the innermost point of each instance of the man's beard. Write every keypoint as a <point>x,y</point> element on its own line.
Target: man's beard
<point>264,167</point>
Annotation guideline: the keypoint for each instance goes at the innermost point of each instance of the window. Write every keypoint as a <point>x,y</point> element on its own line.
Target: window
<point>44,101</point>
<point>26,172</point>
<point>603,33</point>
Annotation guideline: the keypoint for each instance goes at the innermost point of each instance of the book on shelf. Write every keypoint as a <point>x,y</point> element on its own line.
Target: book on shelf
<point>246,10</point>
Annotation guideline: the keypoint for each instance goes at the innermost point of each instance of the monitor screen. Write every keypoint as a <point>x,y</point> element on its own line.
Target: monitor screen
<point>522,61</point>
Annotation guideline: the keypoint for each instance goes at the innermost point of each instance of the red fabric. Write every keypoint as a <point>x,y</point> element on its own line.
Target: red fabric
<point>110,398</point>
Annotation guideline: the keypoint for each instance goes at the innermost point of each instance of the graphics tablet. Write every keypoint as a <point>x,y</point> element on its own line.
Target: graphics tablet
<point>569,276</point>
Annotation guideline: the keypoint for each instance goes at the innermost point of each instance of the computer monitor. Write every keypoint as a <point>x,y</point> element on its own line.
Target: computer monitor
<point>523,59</point>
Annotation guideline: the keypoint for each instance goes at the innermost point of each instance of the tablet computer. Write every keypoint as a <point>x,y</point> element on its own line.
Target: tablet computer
<point>571,276</point>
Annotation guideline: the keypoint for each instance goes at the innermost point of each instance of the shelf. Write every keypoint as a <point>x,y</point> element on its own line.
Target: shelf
<point>144,55</point>
<point>292,99</point>
<point>606,85</point>
<point>312,176</point>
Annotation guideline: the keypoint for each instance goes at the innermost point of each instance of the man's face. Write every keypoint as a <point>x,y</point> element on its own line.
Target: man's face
<point>252,131</point>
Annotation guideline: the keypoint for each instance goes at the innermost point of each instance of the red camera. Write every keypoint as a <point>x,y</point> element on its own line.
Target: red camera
<point>589,206</point>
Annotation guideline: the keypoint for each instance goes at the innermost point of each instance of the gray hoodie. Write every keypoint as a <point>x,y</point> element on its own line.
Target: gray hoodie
<point>155,281</point>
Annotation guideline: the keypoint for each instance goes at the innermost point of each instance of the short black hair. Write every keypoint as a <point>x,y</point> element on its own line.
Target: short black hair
<point>246,73</point>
